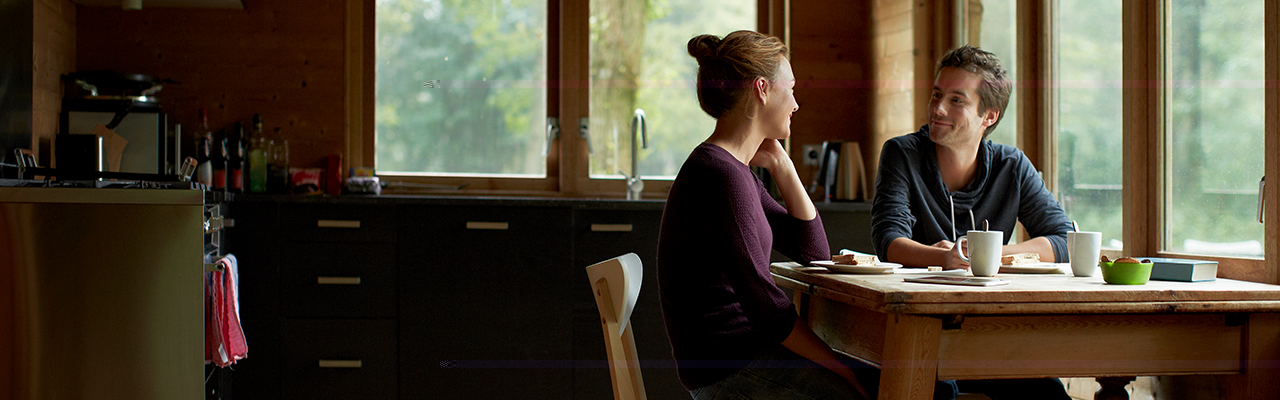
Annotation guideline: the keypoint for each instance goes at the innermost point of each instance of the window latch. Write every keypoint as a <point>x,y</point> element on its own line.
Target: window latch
<point>584,132</point>
<point>553,133</point>
<point>1262,183</point>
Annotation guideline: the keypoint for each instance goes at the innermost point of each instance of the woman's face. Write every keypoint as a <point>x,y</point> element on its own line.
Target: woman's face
<point>781,103</point>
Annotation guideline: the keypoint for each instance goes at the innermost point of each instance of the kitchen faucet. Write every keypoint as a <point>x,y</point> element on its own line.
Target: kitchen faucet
<point>634,184</point>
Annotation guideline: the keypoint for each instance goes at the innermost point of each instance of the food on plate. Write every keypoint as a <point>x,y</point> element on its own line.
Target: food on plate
<point>1104,259</point>
<point>855,259</point>
<point>1131,260</point>
<point>1020,259</point>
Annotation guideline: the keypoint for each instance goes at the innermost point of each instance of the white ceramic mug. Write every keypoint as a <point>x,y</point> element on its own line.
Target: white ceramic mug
<point>1084,248</point>
<point>984,251</point>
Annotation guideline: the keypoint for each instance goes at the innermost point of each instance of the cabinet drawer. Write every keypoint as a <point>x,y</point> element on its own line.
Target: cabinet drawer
<point>339,359</point>
<point>353,280</point>
<point>337,223</point>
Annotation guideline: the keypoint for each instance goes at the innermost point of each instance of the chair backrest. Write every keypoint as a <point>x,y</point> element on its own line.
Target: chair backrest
<point>616,284</point>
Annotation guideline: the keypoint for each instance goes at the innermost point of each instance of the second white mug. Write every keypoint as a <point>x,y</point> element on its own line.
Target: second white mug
<point>1083,248</point>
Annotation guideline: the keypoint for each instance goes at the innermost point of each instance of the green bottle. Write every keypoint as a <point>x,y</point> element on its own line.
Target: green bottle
<point>258,158</point>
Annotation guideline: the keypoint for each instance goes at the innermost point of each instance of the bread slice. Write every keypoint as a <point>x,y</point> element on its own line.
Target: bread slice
<point>1020,258</point>
<point>855,259</point>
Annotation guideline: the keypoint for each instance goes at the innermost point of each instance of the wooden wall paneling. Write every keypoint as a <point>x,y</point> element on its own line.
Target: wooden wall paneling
<point>894,106</point>
<point>286,60</point>
<point>835,84</point>
<point>54,55</point>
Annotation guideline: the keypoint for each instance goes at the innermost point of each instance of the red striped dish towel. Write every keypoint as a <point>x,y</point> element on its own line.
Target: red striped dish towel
<point>224,339</point>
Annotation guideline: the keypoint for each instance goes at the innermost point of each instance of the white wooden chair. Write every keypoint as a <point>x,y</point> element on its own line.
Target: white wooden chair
<point>616,283</point>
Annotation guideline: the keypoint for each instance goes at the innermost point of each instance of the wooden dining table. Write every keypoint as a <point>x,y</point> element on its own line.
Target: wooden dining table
<point>1043,325</point>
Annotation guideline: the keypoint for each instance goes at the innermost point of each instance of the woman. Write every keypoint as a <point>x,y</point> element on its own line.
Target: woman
<point>733,332</point>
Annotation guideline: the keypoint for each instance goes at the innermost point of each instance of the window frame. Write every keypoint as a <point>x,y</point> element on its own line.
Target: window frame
<point>1145,110</point>
<point>1145,131</point>
<point>567,161</point>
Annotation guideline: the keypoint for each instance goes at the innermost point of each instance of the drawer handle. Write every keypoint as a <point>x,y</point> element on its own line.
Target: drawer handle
<point>338,280</point>
<point>611,227</point>
<point>493,226</point>
<point>340,364</point>
<point>337,223</point>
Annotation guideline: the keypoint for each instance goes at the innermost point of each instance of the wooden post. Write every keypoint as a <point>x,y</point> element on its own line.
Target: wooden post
<point>910,362</point>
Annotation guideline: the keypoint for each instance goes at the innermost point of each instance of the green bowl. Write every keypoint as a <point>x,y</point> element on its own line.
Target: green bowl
<point>1125,273</point>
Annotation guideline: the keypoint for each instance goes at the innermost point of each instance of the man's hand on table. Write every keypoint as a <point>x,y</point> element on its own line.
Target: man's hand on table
<point>953,255</point>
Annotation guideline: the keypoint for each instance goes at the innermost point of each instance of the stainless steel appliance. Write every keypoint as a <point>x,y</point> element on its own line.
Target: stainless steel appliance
<point>126,104</point>
<point>106,287</point>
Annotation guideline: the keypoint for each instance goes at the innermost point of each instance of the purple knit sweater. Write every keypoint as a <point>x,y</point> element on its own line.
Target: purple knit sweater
<point>718,298</point>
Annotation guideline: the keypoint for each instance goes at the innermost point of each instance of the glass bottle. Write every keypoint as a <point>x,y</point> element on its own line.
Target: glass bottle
<point>204,150</point>
<point>258,157</point>
<point>220,161</point>
<point>278,167</point>
<point>235,159</point>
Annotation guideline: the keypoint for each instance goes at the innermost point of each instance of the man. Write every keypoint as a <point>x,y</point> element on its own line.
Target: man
<point>931,180</point>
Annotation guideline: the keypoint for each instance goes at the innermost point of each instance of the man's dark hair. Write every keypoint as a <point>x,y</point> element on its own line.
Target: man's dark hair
<point>995,88</point>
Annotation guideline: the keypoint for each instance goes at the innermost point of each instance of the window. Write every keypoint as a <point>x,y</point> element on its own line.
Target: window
<point>639,61</point>
<point>1090,123</point>
<point>459,82</point>
<point>1215,124</point>
<point>464,90</point>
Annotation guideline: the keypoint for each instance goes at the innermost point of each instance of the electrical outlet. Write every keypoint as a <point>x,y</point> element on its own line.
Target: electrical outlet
<point>811,153</point>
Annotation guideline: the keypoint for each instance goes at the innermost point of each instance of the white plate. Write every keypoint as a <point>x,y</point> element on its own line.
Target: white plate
<point>926,271</point>
<point>1038,268</point>
<point>879,268</point>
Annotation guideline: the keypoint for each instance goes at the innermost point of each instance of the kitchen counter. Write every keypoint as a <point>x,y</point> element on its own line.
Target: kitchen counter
<point>596,203</point>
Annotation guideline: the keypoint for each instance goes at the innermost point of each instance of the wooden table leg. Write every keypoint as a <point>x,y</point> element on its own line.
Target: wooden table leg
<point>910,359</point>
<point>1113,388</point>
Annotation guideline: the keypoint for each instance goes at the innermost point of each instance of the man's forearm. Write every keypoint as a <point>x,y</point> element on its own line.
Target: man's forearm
<point>911,253</point>
<point>1039,245</point>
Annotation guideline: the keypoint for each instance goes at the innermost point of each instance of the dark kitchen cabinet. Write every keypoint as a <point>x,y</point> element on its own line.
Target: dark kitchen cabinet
<point>318,301</point>
<point>848,226</point>
<point>484,300</point>
<point>338,359</point>
<point>254,241</point>
<point>601,234</point>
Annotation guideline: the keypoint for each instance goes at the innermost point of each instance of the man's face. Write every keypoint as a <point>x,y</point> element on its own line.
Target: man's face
<point>955,117</point>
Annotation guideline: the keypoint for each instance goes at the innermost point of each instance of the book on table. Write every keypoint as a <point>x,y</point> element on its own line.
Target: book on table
<point>1182,269</point>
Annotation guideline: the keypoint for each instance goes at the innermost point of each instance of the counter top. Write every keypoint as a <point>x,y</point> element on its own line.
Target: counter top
<point>100,196</point>
<point>593,203</point>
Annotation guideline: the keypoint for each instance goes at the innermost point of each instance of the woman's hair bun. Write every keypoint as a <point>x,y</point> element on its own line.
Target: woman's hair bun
<point>703,46</point>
